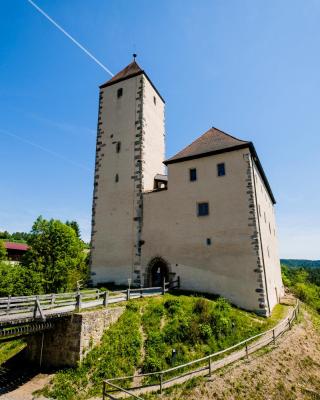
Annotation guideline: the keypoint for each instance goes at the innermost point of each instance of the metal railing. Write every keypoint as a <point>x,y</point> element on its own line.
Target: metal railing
<point>35,308</point>
<point>206,364</point>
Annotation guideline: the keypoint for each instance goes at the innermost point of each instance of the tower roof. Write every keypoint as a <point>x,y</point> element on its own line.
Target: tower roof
<point>215,141</point>
<point>131,70</point>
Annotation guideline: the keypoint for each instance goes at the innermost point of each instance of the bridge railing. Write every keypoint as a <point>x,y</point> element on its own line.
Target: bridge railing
<point>42,306</point>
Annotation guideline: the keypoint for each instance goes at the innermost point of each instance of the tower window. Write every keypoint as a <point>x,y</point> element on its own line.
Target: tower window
<point>154,100</point>
<point>116,178</point>
<point>119,92</point>
<point>193,174</point>
<point>203,209</point>
<point>118,147</point>
<point>208,241</point>
<point>221,169</point>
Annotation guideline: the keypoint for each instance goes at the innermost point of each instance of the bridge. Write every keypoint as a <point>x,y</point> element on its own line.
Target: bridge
<point>22,315</point>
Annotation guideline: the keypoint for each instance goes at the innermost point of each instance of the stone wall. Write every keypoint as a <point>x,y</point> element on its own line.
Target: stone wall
<point>71,338</point>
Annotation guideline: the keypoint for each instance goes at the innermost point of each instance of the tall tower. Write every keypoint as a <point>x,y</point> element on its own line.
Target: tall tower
<point>129,153</point>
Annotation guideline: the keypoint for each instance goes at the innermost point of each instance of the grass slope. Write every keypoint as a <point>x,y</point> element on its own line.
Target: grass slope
<point>193,326</point>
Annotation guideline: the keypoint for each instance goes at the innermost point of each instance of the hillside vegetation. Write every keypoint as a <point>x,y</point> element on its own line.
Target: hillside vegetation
<point>144,337</point>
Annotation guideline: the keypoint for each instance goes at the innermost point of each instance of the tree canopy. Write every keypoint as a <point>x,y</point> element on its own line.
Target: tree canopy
<point>57,254</point>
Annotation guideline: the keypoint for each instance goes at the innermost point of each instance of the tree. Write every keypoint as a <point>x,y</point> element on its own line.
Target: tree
<point>75,226</point>
<point>3,251</point>
<point>16,280</point>
<point>57,253</point>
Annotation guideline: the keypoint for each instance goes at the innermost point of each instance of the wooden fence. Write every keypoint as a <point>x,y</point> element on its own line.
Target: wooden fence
<point>21,309</point>
<point>206,365</point>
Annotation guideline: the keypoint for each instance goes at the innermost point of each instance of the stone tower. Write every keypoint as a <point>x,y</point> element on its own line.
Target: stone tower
<point>129,153</point>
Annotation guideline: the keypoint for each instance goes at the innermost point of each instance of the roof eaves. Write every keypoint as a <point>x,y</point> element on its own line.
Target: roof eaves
<point>262,173</point>
<point>208,153</point>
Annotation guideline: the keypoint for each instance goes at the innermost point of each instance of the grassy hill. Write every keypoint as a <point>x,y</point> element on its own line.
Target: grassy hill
<point>143,339</point>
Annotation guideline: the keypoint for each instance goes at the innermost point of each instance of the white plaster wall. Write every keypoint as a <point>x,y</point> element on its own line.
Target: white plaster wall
<point>267,224</point>
<point>153,135</point>
<point>112,251</point>
<point>173,230</point>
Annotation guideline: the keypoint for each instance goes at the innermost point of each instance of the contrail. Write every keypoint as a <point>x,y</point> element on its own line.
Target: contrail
<point>45,149</point>
<point>70,37</point>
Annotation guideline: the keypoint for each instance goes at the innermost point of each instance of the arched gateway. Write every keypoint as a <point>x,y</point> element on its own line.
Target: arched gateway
<point>158,271</point>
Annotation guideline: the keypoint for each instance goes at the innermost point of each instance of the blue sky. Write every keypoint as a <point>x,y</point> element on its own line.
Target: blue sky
<point>248,67</point>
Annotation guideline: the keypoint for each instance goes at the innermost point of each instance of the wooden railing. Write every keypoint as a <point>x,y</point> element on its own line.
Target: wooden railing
<point>40,307</point>
<point>205,364</point>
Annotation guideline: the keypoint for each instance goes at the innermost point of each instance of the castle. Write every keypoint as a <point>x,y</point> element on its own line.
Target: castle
<point>205,215</point>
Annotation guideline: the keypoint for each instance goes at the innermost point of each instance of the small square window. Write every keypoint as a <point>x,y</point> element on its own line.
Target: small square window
<point>203,209</point>
<point>221,169</point>
<point>119,92</point>
<point>193,174</point>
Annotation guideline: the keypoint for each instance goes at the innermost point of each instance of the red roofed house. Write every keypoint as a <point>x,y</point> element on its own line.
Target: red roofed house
<point>15,251</point>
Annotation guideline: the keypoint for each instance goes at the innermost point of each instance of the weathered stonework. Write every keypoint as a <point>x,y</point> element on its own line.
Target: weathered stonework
<point>71,338</point>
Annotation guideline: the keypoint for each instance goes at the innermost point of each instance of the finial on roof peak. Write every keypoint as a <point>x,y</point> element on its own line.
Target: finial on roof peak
<point>134,56</point>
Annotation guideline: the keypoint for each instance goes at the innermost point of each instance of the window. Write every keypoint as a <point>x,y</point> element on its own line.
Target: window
<point>208,241</point>
<point>203,209</point>
<point>116,179</point>
<point>119,92</point>
<point>118,147</point>
<point>221,169</point>
<point>154,100</point>
<point>193,174</point>
<point>269,228</point>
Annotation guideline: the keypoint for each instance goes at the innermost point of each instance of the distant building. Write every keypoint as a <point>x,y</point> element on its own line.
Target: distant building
<point>209,219</point>
<point>15,251</point>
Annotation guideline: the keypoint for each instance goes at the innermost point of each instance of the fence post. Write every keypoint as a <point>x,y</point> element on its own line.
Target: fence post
<point>53,298</point>
<point>104,390</point>
<point>105,299</point>
<point>128,294</point>
<point>274,336</point>
<point>35,307</point>
<point>164,286</point>
<point>289,323</point>
<point>78,302</point>
<point>247,352</point>
<point>161,383</point>
<point>210,368</point>
<point>8,304</point>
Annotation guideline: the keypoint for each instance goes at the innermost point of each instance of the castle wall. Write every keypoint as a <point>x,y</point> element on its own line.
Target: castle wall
<point>136,121</point>
<point>268,236</point>
<point>172,230</point>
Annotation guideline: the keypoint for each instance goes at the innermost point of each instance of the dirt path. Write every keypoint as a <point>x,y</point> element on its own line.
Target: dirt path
<point>25,391</point>
<point>290,371</point>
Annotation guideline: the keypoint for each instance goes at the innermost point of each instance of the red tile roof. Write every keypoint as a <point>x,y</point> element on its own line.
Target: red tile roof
<point>212,141</point>
<point>16,246</point>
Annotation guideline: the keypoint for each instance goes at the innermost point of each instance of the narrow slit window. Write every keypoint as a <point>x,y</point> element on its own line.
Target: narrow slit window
<point>116,179</point>
<point>118,147</point>
<point>119,92</point>
<point>193,174</point>
<point>221,170</point>
<point>203,209</point>
<point>155,100</point>
<point>208,241</point>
